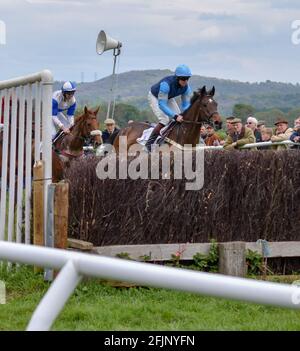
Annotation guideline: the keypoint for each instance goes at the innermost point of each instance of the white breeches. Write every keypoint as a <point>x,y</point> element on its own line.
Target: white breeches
<point>66,121</point>
<point>162,117</point>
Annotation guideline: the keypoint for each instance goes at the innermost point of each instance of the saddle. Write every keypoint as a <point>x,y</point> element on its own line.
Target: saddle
<point>160,139</point>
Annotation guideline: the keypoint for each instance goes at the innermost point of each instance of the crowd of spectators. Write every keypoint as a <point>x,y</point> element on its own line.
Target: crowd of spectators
<point>253,131</point>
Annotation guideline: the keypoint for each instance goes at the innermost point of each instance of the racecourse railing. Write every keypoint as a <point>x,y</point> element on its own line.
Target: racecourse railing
<point>75,265</point>
<point>26,102</point>
<point>288,143</point>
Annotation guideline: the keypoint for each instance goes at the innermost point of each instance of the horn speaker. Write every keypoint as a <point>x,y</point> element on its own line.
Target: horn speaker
<point>105,42</point>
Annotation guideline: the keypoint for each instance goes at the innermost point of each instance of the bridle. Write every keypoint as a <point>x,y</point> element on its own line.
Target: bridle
<point>200,123</point>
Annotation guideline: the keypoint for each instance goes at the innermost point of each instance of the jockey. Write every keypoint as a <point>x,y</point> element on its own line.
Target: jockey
<point>162,99</point>
<point>63,100</point>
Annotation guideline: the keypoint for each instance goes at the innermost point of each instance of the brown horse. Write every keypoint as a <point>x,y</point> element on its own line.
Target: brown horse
<point>203,109</point>
<point>69,147</point>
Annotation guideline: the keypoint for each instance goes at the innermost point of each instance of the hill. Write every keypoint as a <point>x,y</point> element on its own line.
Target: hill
<point>133,87</point>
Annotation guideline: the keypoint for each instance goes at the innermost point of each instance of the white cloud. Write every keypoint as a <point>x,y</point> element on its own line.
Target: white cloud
<point>154,32</point>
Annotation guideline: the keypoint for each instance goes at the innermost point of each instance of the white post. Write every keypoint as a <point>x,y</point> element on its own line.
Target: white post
<point>47,83</point>
<point>28,169</point>
<point>37,122</point>
<point>12,165</point>
<point>20,165</point>
<point>4,166</point>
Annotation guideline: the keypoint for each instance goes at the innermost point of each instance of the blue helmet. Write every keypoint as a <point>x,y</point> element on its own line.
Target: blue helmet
<point>68,87</point>
<point>183,71</point>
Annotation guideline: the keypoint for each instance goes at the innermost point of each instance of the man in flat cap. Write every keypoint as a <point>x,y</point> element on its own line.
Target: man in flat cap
<point>261,125</point>
<point>110,133</point>
<point>282,132</point>
<point>238,136</point>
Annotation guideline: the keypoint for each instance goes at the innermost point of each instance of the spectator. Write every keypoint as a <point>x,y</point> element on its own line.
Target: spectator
<point>212,139</point>
<point>282,132</point>
<point>229,126</point>
<point>261,125</point>
<point>295,137</point>
<point>239,136</point>
<point>110,133</point>
<point>203,135</point>
<point>252,124</point>
<point>266,135</point>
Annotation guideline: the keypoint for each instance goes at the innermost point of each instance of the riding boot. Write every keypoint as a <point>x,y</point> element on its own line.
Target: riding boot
<point>153,136</point>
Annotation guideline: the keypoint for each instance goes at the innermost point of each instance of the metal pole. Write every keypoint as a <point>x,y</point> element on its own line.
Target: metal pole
<point>209,284</point>
<point>55,298</point>
<point>117,52</point>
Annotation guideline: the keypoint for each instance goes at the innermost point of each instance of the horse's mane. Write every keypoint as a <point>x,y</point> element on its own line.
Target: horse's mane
<point>80,118</point>
<point>195,96</point>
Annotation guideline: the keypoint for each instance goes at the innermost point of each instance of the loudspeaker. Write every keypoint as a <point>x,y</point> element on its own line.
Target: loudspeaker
<point>105,42</point>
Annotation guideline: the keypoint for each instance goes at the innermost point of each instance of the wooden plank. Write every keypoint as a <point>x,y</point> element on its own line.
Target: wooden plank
<point>61,213</point>
<point>157,252</point>
<point>232,258</point>
<point>164,252</point>
<point>80,244</point>
<point>278,249</point>
<point>38,203</point>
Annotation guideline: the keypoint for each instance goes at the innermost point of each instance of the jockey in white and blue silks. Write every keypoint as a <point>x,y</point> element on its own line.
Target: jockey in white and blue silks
<point>162,99</point>
<point>63,101</point>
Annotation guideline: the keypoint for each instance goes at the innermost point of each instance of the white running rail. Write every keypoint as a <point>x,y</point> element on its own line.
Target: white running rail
<point>20,97</point>
<point>288,143</point>
<point>76,265</point>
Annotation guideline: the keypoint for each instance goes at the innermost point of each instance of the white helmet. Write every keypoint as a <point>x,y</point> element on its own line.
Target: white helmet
<point>68,87</point>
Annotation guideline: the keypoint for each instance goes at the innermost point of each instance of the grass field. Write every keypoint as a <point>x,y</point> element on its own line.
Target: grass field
<point>98,306</point>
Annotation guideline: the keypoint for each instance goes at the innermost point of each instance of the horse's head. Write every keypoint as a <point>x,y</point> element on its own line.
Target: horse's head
<point>206,105</point>
<point>88,125</point>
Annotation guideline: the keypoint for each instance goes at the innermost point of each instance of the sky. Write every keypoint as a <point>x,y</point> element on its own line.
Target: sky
<point>245,40</point>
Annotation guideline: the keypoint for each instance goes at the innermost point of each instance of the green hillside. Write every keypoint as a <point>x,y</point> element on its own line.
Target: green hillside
<point>133,86</point>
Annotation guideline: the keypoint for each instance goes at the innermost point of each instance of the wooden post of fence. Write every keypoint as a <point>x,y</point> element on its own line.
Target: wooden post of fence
<point>61,211</point>
<point>38,203</point>
<point>232,258</point>
<point>38,206</point>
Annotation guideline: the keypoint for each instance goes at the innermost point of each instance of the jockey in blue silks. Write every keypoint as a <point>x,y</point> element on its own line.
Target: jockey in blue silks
<point>162,99</point>
<point>63,101</point>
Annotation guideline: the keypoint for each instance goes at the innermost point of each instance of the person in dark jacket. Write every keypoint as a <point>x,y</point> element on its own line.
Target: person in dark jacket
<point>111,131</point>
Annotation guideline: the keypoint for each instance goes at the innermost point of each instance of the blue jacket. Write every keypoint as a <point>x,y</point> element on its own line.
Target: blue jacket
<point>295,134</point>
<point>168,88</point>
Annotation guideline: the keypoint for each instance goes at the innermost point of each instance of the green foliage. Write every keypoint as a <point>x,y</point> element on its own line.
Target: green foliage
<point>145,258</point>
<point>124,255</point>
<point>292,115</point>
<point>270,116</point>
<point>221,134</point>
<point>122,114</point>
<point>208,263</point>
<point>254,262</point>
<point>242,111</point>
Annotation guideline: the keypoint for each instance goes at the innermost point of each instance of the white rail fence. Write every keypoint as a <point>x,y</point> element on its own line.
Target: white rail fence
<point>76,265</point>
<point>27,110</point>
<point>288,143</point>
